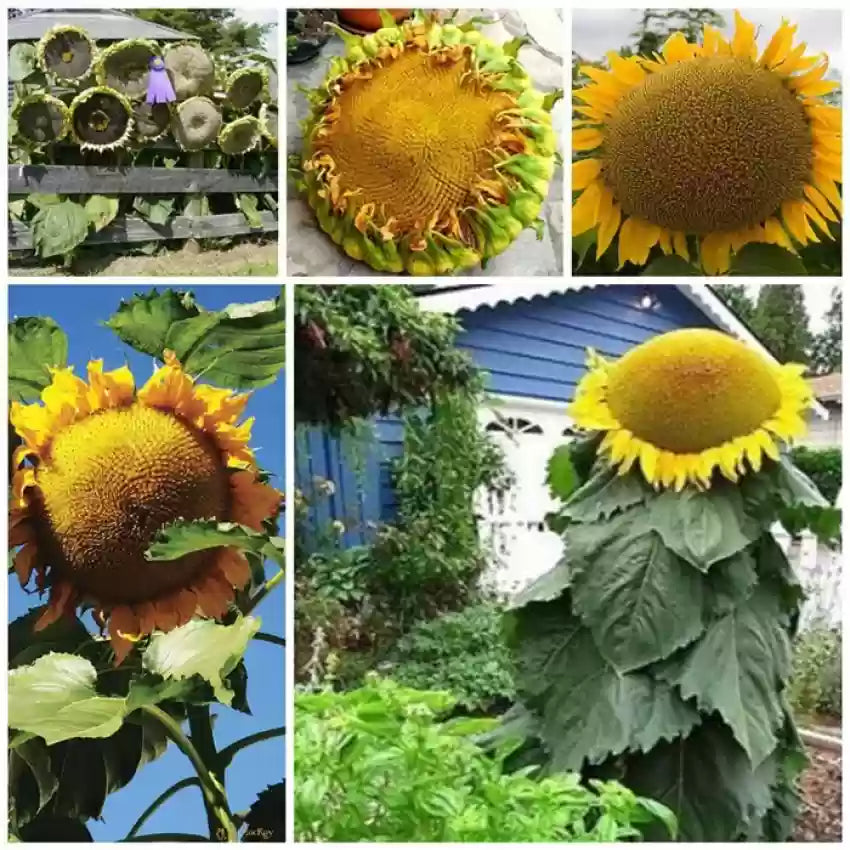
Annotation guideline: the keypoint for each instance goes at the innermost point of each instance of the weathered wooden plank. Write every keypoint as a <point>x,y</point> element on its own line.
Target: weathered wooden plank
<point>135,229</point>
<point>85,179</point>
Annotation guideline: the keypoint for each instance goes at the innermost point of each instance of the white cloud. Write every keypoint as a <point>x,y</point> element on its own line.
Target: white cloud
<point>263,16</point>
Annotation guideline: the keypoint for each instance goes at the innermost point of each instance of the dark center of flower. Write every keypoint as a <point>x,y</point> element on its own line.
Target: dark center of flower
<point>110,483</point>
<point>99,120</point>
<point>712,144</point>
<point>691,390</point>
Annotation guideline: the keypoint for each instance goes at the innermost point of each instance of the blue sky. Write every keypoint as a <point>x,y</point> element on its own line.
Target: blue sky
<point>80,310</point>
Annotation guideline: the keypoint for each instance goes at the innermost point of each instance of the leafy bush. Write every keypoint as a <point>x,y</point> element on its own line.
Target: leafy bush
<point>823,466</point>
<point>376,764</point>
<point>464,653</point>
<point>816,678</point>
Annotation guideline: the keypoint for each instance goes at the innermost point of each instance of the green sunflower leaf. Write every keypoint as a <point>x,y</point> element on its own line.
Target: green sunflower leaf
<point>670,266</point>
<point>22,61</point>
<point>32,783</point>
<point>26,644</point>
<point>56,698</point>
<point>59,228</point>
<point>733,670</point>
<point>200,648</point>
<point>182,537</point>
<point>143,322</point>
<point>244,348</point>
<point>101,210</point>
<point>561,475</point>
<point>588,710</point>
<point>265,820</point>
<point>760,259</point>
<point>36,343</point>
<point>604,494</point>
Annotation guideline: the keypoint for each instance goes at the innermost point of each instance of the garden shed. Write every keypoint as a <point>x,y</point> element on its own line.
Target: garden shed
<point>101,24</point>
<point>530,339</point>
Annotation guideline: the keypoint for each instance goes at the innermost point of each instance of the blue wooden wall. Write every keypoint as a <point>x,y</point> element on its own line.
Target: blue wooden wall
<point>530,348</point>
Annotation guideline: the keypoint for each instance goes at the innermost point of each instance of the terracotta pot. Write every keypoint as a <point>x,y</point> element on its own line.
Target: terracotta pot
<point>369,19</point>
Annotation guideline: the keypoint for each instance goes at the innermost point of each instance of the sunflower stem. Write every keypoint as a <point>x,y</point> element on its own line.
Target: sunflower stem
<point>215,801</point>
<point>166,795</point>
<point>269,638</point>
<point>200,730</point>
<point>263,592</point>
<point>229,752</point>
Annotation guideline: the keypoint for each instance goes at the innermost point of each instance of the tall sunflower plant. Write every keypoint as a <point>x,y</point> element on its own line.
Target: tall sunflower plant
<point>657,651</point>
<point>711,156</point>
<point>147,534</point>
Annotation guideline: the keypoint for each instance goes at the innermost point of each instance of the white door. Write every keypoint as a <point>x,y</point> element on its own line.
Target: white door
<point>512,523</point>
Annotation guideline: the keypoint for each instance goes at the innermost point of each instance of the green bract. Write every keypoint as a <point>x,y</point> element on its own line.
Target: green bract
<point>268,118</point>
<point>41,119</point>
<point>190,69</point>
<point>66,52</point>
<point>196,123</point>
<point>101,119</point>
<point>427,149</point>
<point>658,650</point>
<point>241,135</point>
<point>247,85</point>
<point>124,66</point>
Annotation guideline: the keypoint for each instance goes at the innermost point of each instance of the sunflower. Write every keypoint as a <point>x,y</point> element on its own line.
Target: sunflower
<point>710,141</point>
<point>41,118</point>
<point>102,467</point>
<point>688,402</point>
<point>101,119</point>
<point>196,123</point>
<point>66,52</point>
<point>428,150</point>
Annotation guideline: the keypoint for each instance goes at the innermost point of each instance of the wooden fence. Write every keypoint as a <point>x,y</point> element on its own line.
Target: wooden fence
<point>132,180</point>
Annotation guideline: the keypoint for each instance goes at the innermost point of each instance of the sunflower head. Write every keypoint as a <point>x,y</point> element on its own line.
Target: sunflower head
<point>151,120</point>
<point>101,119</point>
<point>102,468</point>
<point>125,66</point>
<point>427,150</point>
<point>707,147</point>
<point>241,135</point>
<point>246,85</point>
<point>268,119</point>
<point>42,119</point>
<point>196,123</point>
<point>190,70</point>
<point>66,52</point>
<point>689,402</point>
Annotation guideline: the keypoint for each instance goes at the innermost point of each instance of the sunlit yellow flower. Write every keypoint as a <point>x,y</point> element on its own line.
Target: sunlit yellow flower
<point>711,141</point>
<point>688,402</point>
<point>103,467</point>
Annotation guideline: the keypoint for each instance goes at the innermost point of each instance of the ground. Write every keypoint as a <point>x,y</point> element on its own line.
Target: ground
<point>247,259</point>
<point>819,818</point>
<point>311,253</point>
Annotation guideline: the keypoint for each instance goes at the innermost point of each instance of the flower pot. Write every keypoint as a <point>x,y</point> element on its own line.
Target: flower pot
<point>368,20</point>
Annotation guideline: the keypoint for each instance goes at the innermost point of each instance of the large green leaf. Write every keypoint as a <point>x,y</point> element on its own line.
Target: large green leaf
<point>703,527</point>
<point>548,586</point>
<point>59,228</point>
<point>759,259</point>
<point>266,820</point>
<point>706,780</point>
<point>201,648</point>
<point>182,537</point>
<point>730,583</point>
<point>22,61</point>
<point>143,322</point>
<point>101,210</point>
<point>638,598</point>
<point>737,668</point>
<point>561,475</point>
<point>670,266</point>
<point>604,494</point>
<point>36,343</point>
<point>32,783</point>
<point>48,829</point>
<point>588,711</point>
<point>243,346</point>
<point>26,644</point>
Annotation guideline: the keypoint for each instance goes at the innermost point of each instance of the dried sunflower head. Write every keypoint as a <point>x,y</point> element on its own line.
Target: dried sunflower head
<point>241,135</point>
<point>151,120</point>
<point>196,123</point>
<point>268,118</point>
<point>102,467</point>
<point>66,52</point>
<point>247,85</point>
<point>101,119</point>
<point>427,150</point>
<point>125,66</point>
<point>190,69</point>
<point>712,143</point>
<point>42,119</point>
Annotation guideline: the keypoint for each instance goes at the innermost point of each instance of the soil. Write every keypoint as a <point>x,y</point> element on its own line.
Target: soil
<point>247,259</point>
<point>819,817</point>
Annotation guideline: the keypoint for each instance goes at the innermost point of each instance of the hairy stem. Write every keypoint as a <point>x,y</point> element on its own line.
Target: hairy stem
<point>263,592</point>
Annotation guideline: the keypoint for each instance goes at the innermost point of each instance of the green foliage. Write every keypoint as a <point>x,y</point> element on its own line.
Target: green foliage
<point>823,466</point>
<point>825,356</point>
<point>242,346</point>
<point>377,764</point>
<point>464,653</point>
<point>782,323</point>
<point>366,350</point>
<point>816,678</point>
<point>658,651</point>
<point>58,229</point>
<point>36,344</point>
<point>265,820</point>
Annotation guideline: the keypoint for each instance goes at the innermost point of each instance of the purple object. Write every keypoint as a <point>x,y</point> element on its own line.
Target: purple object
<point>160,89</point>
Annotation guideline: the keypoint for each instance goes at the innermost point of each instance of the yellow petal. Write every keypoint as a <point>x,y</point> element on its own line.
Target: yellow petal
<point>794,217</point>
<point>680,244</point>
<point>775,234</point>
<point>800,82</point>
<point>714,253</point>
<point>666,243</point>
<point>827,188</point>
<point>586,209</point>
<point>608,228</point>
<point>585,171</point>
<point>627,71</point>
<point>711,41</point>
<point>818,89</point>
<point>744,40</point>
<point>793,61</point>
<point>819,202</point>
<point>648,461</point>
<point>587,139</point>
<point>817,218</point>
<point>637,238</point>
<point>778,46</point>
<point>677,48</point>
